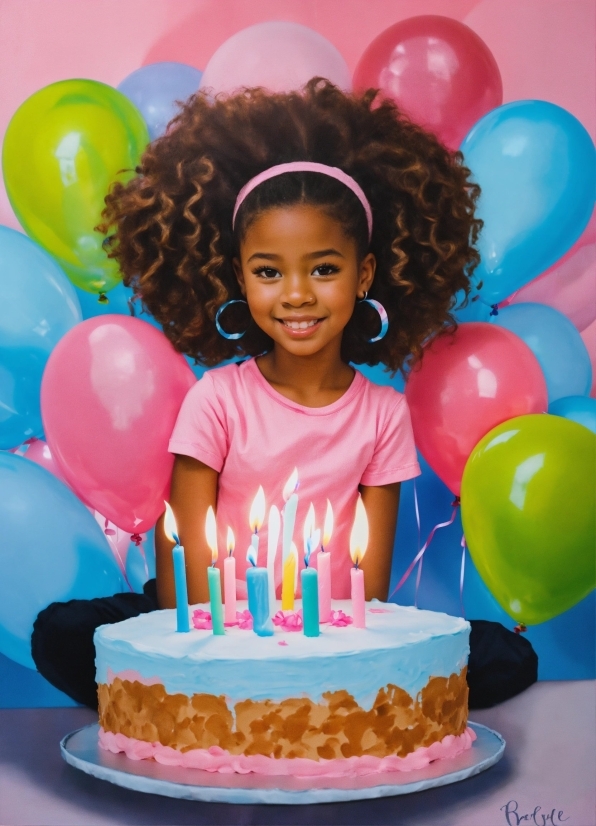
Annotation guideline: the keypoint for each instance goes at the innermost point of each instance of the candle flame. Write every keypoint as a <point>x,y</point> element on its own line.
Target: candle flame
<point>257,510</point>
<point>291,485</point>
<point>328,526</point>
<point>310,536</point>
<point>250,556</point>
<point>169,525</point>
<point>211,533</point>
<point>231,543</point>
<point>359,533</point>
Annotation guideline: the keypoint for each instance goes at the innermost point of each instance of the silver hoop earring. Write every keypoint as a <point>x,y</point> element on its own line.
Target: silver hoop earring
<point>220,329</point>
<point>382,315</point>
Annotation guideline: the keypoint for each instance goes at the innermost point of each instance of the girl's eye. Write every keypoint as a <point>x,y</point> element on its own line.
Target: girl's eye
<point>326,269</point>
<point>267,272</point>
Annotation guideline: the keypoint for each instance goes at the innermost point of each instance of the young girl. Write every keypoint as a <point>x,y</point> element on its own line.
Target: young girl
<point>305,232</point>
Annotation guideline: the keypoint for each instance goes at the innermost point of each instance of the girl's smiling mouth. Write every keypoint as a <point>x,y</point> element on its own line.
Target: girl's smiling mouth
<point>300,325</point>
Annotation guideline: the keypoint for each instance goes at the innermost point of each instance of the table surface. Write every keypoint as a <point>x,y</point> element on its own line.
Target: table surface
<point>549,762</point>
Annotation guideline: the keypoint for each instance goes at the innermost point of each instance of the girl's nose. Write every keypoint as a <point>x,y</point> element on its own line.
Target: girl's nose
<point>297,291</point>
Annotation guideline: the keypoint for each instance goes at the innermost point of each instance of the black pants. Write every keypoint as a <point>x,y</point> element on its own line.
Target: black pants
<point>62,641</point>
<point>501,663</point>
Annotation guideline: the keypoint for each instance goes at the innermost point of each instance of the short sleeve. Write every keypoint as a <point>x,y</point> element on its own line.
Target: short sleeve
<point>200,429</point>
<point>394,458</point>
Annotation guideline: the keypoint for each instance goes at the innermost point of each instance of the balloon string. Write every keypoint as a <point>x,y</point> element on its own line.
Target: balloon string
<point>422,550</point>
<point>109,532</point>
<point>419,574</point>
<point>462,572</point>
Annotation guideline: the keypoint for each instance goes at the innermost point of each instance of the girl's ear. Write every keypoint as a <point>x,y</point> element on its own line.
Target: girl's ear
<point>368,266</point>
<point>239,275</point>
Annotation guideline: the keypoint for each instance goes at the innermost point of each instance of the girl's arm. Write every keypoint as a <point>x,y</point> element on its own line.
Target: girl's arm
<point>194,488</point>
<point>381,504</point>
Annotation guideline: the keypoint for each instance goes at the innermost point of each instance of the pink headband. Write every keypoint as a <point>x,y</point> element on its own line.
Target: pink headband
<point>306,166</point>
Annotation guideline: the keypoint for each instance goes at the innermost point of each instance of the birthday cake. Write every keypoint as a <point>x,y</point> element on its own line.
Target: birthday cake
<point>388,697</point>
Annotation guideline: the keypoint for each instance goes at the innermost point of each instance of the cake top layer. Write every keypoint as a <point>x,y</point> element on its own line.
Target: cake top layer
<point>399,643</point>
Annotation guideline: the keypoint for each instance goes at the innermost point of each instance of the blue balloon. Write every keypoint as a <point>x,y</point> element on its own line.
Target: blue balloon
<point>38,306</point>
<point>580,409</point>
<point>536,166</point>
<point>117,302</point>
<point>380,375</point>
<point>155,89</point>
<point>52,550</point>
<point>555,342</point>
<point>476,310</point>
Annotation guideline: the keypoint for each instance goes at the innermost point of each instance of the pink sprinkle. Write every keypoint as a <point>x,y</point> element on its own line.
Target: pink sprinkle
<point>379,611</point>
<point>339,619</point>
<point>201,620</point>
<point>282,642</point>
<point>289,620</point>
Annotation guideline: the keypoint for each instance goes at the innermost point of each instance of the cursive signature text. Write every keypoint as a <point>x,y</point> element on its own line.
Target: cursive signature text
<point>538,817</point>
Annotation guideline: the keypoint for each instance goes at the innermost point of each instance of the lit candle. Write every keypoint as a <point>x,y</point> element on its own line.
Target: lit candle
<point>213,576</point>
<point>171,530</point>
<point>309,579</point>
<point>289,579</point>
<point>255,518</point>
<point>273,527</point>
<point>324,567</point>
<point>230,581</point>
<point>358,544</point>
<point>289,512</point>
<point>257,585</point>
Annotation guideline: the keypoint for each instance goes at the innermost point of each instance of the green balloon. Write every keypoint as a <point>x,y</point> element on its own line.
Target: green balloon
<point>63,148</point>
<point>529,515</point>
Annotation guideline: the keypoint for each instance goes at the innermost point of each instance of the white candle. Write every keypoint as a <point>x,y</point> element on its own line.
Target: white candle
<point>273,527</point>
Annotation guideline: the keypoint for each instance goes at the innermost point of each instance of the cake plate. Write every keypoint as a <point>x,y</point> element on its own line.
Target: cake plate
<point>81,749</point>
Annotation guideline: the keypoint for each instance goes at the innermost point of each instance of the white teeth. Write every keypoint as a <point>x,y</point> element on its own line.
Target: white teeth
<point>300,325</point>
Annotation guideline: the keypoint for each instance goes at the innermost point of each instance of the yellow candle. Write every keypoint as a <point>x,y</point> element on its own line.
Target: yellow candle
<point>289,578</point>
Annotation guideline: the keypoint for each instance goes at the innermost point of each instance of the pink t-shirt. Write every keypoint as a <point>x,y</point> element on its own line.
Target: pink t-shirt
<point>233,421</point>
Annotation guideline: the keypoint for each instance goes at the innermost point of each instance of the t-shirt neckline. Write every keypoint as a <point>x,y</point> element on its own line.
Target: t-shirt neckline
<point>343,400</point>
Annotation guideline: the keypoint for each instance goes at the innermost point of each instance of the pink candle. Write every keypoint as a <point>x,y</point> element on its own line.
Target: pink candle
<point>358,545</point>
<point>230,582</point>
<point>357,576</point>
<point>324,572</point>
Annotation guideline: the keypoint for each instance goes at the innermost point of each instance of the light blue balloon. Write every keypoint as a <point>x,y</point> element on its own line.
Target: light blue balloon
<point>380,375</point>
<point>536,166</point>
<point>476,310</point>
<point>555,342</point>
<point>117,302</point>
<point>38,304</point>
<point>52,550</point>
<point>155,89</point>
<point>580,409</point>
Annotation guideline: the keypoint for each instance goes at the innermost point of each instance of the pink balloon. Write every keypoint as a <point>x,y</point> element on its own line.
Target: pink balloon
<point>281,56</point>
<point>589,337</point>
<point>110,394</point>
<point>466,385</point>
<point>436,69</point>
<point>39,452</point>
<point>569,285</point>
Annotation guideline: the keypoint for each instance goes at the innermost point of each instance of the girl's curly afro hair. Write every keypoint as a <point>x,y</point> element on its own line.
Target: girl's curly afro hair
<point>171,226</point>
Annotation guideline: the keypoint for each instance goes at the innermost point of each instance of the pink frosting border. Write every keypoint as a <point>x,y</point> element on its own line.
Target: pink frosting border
<point>216,759</point>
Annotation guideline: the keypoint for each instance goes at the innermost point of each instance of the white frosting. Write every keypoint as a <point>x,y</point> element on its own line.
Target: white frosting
<point>400,646</point>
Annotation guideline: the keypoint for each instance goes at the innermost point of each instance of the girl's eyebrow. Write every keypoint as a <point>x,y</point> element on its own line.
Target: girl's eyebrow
<point>269,256</point>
